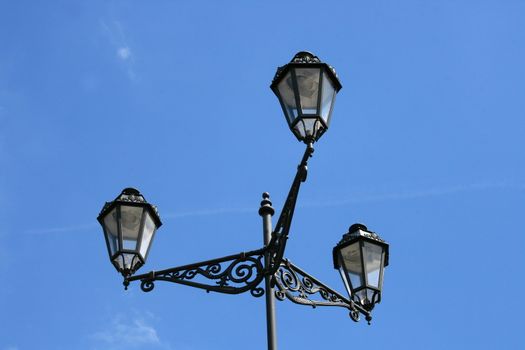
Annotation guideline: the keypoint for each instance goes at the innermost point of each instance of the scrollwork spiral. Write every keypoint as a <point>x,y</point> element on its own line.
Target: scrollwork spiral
<point>257,292</point>
<point>242,271</point>
<point>354,315</point>
<point>147,285</point>
<point>214,269</point>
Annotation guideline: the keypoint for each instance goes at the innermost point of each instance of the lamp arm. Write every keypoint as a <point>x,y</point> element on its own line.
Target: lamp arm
<point>238,273</point>
<point>233,274</point>
<point>297,285</point>
<point>277,244</point>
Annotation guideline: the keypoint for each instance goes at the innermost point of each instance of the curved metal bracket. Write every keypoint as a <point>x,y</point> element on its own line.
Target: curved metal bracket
<point>297,286</point>
<point>233,274</point>
<point>239,273</point>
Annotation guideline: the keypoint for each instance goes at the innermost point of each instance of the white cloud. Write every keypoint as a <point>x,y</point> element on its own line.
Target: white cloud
<point>124,53</point>
<point>114,31</point>
<point>126,333</point>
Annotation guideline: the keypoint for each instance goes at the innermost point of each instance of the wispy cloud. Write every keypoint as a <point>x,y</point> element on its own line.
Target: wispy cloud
<point>370,197</point>
<point>209,212</point>
<point>62,229</point>
<point>417,194</point>
<point>360,198</point>
<point>128,333</point>
<point>115,33</point>
<point>124,53</point>
<point>10,347</point>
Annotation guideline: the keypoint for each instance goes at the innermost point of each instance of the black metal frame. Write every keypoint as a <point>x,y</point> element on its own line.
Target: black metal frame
<point>242,272</point>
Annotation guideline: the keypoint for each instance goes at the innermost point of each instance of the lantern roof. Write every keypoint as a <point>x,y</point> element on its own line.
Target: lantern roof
<point>359,230</point>
<point>131,196</point>
<point>306,58</point>
<point>355,232</point>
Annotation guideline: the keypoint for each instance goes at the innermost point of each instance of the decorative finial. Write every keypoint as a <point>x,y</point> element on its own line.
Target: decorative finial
<point>305,57</point>
<point>266,205</point>
<point>357,226</point>
<point>131,191</point>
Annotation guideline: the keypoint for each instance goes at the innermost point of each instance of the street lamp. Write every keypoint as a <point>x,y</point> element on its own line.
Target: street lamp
<point>129,224</point>
<point>306,89</point>
<point>360,257</point>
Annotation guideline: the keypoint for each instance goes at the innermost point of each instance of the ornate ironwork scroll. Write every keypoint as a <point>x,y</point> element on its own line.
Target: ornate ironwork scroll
<point>232,274</point>
<point>298,286</point>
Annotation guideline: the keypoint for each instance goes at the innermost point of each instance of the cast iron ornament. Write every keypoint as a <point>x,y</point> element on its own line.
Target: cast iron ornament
<point>242,272</point>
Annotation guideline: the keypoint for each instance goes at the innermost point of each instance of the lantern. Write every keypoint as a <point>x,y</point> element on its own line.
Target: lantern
<point>129,224</point>
<point>306,89</point>
<point>361,256</point>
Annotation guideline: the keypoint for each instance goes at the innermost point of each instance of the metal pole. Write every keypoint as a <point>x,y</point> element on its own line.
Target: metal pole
<point>266,211</point>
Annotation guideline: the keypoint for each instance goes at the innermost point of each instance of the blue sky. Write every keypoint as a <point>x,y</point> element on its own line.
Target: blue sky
<point>171,97</point>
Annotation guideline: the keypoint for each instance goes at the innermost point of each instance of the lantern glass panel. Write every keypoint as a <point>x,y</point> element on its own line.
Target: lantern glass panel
<point>111,231</point>
<point>308,86</point>
<point>360,296</point>
<point>287,95</point>
<point>351,256</point>
<point>367,297</point>
<point>307,127</point>
<point>327,98</point>
<point>147,235</point>
<point>130,219</point>
<point>373,254</point>
<point>127,261</point>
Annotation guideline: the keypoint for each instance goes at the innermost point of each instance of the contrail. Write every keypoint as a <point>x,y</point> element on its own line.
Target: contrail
<point>208,212</point>
<point>402,195</point>
<point>40,231</point>
<point>381,197</point>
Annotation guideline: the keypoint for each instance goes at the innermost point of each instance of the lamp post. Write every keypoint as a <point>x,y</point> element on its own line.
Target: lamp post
<point>306,89</point>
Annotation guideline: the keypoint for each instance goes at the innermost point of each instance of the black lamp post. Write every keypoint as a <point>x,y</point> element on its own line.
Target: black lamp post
<point>306,89</point>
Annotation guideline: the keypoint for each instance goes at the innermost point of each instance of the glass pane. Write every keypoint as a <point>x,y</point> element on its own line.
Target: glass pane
<point>130,218</point>
<point>373,253</point>
<point>287,95</point>
<point>360,297</point>
<point>127,261</point>
<point>111,230</point>
<point>373,296</point>
<point>147,235</point>
<point>308,127</point>
<point>352,262</point>
<point>366,297</point>
<point>345,281</point>
<point>308,85</point>
<point>327,98</point>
